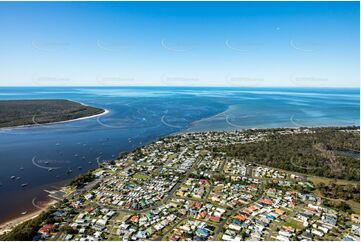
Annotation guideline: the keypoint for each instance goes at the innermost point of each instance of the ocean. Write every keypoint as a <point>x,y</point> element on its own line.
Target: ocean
<point>48,156</point>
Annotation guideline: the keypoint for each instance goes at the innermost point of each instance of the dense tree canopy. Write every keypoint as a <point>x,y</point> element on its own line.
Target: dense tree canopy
<point>28,112</point>
<point>328,152</point>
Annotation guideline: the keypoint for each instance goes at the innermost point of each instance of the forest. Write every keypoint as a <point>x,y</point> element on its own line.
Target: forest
<point>340,191</point>
<point>325,152</point>
<point>32,112</point>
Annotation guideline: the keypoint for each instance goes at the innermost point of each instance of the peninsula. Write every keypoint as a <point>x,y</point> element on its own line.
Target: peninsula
<point>15,113</point>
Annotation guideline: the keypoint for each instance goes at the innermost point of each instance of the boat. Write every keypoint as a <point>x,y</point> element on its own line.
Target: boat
<point>12,177</point>
<point>24,184</point>
<point>79,168</point>
<point>17,178</point>
<point>69,171</point>
<point>76,155</point>
<point>50,169</point>
<point>23,213</point>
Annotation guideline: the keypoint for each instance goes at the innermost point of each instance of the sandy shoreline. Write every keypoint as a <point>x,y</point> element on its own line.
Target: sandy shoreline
<point>106,111</point>
<point>8,226</point>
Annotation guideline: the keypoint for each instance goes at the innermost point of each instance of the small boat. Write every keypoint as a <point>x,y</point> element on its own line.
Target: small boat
<point>24,184</point>
<point>46,162</point>
<point>79,168</point>
<point>12,177</point>
<point>23,213</point>
<point>76,155</point>
<point>100,153</point>
<point>57,144</point>
<point>69,171</point>
<point>50,169</point>
<point>21,168</point>
<point>17,178</point>
<point>90,162</point>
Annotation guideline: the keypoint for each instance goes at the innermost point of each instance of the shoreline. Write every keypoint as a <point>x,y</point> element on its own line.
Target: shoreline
<point>187,131</point>
<point>11,224</point>
<point>105,111</point>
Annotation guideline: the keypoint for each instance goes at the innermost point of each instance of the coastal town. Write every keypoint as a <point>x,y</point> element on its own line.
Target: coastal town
<point>181,188</point>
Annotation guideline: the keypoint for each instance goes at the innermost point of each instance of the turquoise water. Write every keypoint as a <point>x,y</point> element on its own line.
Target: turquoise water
<point>140,115</point>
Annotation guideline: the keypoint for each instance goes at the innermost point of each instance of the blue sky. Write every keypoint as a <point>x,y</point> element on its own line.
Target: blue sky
<point>180,44</point>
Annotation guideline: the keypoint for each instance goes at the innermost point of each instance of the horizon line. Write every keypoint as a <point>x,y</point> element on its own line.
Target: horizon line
<point>140,86</point>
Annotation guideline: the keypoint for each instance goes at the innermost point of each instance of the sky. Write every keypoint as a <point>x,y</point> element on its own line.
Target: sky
<point>232,44</point>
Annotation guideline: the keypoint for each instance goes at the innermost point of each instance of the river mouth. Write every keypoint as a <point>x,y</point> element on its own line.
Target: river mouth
<point>139,116</point>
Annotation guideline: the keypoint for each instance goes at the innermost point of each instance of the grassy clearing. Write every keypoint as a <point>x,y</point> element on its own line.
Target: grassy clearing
<point>294,224</point>
<point>172,157</point>
<point>114,238</point>
<point>140,176</point>
<point>317,180</point>
<point>68,190</point>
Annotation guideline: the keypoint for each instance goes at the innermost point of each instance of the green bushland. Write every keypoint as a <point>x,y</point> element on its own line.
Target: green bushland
<point>28,112</point>
<point>337,191</point>
<point>82,179</point>
<point>328,152</point>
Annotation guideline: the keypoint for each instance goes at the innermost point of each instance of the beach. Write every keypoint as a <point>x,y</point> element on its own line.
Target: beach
<point>8,226</point>
<point>106,111</point>
<point>132,122</point>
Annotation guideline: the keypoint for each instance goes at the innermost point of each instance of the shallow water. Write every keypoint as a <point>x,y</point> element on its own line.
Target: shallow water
<point>140,115</point>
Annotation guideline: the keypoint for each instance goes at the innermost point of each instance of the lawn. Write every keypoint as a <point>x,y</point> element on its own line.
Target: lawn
<point>294,224</point>
<point>317,180</point>
<point>68,190</point>
<point>140,176</point>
